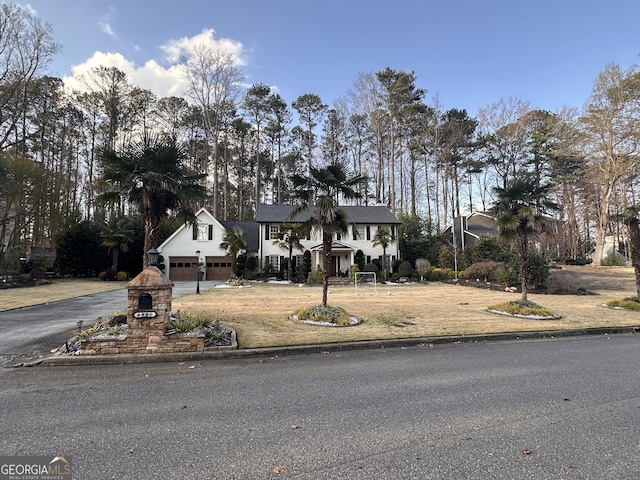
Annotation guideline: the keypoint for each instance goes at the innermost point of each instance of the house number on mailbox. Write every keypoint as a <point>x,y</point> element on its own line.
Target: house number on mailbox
<point>144,314</point>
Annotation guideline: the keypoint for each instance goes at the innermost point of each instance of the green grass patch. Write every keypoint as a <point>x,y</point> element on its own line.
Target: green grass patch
<point>625,304</point>
<point>522,307</point>
<point>324,314</point>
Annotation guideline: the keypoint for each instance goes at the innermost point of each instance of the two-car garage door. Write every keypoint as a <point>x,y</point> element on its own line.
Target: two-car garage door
<point>184,268</point>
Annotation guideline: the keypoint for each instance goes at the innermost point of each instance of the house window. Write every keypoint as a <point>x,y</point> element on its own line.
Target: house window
<point>368,232</point>
<point>273,232</point>
<point>203,232</point>
<point>274,260</point>
<point>359,232</point>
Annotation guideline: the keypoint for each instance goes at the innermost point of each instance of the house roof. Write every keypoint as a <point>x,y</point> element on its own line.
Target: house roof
<point>335,247</point>
<point>481,231</point>
<point>251,232</point>
<point>378,214</point>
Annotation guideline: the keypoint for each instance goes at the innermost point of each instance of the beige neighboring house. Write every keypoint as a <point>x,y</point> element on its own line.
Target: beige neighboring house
<point>363,221</point>
<point>179,250</point>
<point>466,229</point>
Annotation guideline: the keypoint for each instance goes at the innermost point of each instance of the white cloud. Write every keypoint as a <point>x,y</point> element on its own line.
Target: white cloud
<point>29,9</point>
<point>152,76</point>
<point>162,81</point>
<point>175,49</point>
<point>105,23</point>
<point>106,28</point>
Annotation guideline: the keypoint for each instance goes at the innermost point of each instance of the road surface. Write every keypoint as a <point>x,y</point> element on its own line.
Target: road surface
<point>564,408</point>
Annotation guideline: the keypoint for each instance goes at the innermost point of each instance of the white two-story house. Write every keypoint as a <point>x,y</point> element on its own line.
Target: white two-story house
<point>199,245</point>
<point>363,224</point>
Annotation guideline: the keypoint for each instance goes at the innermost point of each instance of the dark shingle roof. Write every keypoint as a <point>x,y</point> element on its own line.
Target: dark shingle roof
<point>355,214</point>
<point>250,230</point>
<point>481,230</point>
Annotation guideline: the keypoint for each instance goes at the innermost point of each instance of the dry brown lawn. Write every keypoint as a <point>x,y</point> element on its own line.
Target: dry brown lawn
<point>260,313</point>
<point>59,289</point>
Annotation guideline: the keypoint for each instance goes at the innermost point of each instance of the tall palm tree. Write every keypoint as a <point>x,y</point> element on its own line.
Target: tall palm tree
<point>519,212</point>
<point>288,238</point>
<point>325,187</point>
<point>152,176</point>
<point>383,238</point>
<point>116,235</point>
<point>234,242</point>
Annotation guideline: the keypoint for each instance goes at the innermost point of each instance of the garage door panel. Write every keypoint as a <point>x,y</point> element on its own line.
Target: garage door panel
<point>219,268</point>
<point>184,268</point>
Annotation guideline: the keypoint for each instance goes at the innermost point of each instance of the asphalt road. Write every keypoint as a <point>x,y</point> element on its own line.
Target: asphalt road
<point>31,332</point>
<point>565,408</point>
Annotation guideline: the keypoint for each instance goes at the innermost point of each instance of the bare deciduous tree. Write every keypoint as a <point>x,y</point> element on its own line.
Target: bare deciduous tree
<point>611,122</point>
<point>214,84</point>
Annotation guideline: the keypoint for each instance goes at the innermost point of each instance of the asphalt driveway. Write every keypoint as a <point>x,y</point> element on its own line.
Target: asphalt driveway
<point>31,332</point>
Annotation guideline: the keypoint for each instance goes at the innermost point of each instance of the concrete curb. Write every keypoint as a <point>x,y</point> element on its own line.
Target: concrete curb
<point>78,360</point>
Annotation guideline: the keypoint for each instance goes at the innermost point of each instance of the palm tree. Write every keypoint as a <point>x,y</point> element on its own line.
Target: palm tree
<point>519,213</point>
<point>151,175</point>
<point>325,186</point>
<point>116,235</point>
<point>233,242</point>
<point>631,217</point>
<point>383,237</point>
<point>288,238</point>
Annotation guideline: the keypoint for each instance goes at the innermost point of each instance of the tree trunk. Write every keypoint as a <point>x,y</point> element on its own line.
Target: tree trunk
<point>603,219</point>
<point>114,258</point>
<point>384,262</point>
<point>634,234</point>
<point>524,264</point>
<point>327,238</point>
<point>151,225</point>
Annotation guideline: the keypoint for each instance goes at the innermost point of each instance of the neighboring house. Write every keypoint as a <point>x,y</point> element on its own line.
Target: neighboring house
<point>179,250</point>
<point>467,229</point>
<point>363,224</point>
<point>616,244</point>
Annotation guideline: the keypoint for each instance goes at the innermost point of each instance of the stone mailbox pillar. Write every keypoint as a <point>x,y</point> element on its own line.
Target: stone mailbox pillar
<point>148,309</point>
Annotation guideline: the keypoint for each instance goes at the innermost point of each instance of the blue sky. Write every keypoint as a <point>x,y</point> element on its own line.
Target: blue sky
<point>469,53</point>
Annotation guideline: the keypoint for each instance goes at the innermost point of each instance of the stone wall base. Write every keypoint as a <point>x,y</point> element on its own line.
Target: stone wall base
<point>142,345</point>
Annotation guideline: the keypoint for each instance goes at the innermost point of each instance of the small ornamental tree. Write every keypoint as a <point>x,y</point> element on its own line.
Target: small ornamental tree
<point>234,242</point>
<point>318,192</point>
<point>359,259</point>
<point>383,238</point>
<point>519,213</point>
<point>288,238</point>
